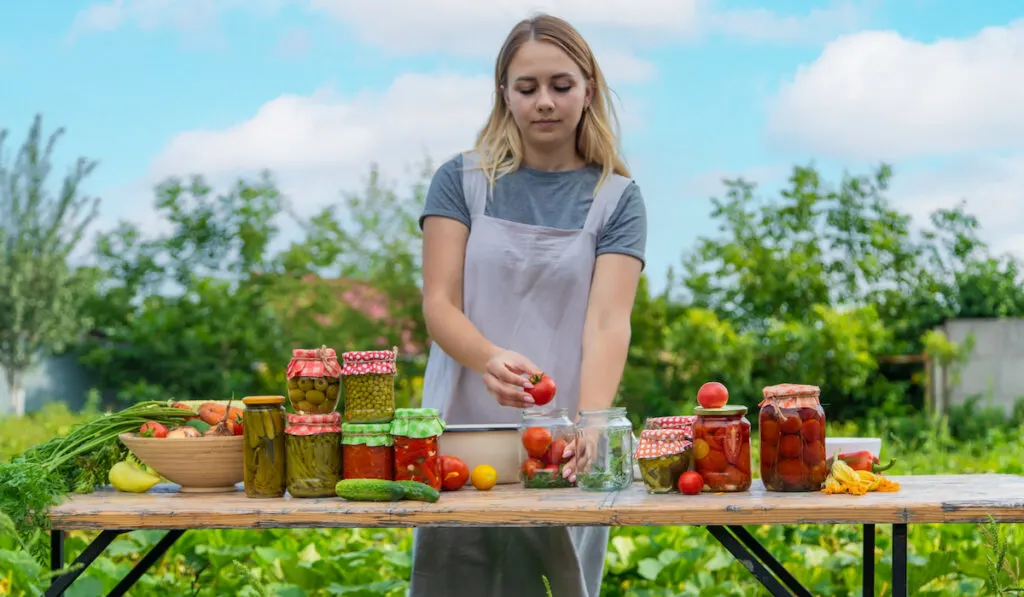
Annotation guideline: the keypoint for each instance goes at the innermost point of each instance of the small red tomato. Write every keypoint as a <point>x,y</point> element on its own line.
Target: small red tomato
<point>555,452</point>
<point>531,466</point>
<point>543,390</point>
<point>691,483</point>
<point>454,473</point>
<point>152,429</point>
<point>712,395</point>
<point>536,440</point>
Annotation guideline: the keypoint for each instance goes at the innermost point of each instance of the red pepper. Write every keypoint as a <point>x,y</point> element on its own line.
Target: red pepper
<point>863,460</point>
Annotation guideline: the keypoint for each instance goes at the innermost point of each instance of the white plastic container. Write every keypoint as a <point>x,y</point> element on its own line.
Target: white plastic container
<point>845,445</point>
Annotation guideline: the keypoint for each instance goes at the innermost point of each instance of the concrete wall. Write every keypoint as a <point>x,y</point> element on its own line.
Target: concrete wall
<point>52,379</point>
<point>995,370</point>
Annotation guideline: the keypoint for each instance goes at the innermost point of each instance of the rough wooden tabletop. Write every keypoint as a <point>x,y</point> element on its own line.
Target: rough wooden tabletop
<point>922,499</point>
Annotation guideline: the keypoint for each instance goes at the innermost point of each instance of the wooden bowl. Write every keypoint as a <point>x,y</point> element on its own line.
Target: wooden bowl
<point>208,464</point>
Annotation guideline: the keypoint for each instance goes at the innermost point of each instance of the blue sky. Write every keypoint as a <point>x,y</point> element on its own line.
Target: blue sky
<point>317,89</point>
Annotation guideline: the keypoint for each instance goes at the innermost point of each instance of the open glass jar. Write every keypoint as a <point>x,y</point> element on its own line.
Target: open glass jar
<point>792,426</point>
<point>721,448</point>
<point>417,458</point>
<point>544,434</point>
<point>603,459</point>
<point>264,451</point>
<point>369,385</point>
<point>313,380</point>
<point>663,456</point>
<point>313,454</point>
<point>368,451</point>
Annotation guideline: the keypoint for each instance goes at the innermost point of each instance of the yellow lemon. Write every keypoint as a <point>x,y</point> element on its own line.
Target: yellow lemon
<point>483,477</point>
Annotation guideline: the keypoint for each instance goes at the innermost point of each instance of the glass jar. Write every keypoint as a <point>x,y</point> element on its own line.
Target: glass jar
<point>663,455</point>
<point>792,429</point>
<point>606,438</point>
<point>544,434</point>
<point>313,455</point>
<point>684,423</point>
<point>314,377</point>
<point>369,385</point>
<point>264,453</point>
<point>415,432</point>
<point>368,451</point>
<point>721,448</point>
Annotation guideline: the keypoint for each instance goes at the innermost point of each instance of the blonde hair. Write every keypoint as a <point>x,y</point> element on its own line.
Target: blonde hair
<point>500,144</point>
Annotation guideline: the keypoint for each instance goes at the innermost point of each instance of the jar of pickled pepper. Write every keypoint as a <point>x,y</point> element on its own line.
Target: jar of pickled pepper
<point>663,456</point>
<point>369,385</point>
<point>721,448</point>
<point>314,377</point>
<point>415,432</point>
<point>313,454</point>
<point>792,426</point>
<point>367,451</point>
<point>264,450</point>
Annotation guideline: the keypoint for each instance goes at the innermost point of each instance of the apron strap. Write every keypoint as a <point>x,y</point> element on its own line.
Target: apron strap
<point>605,202</point>
<point>474,184</point>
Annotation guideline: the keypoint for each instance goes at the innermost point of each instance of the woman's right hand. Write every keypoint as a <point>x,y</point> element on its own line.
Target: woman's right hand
<point>504,378</point>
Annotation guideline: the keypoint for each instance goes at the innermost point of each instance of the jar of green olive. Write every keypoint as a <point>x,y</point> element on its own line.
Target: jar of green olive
<point>264,450</point>
<point>314,378</point>
<point>313,453</point>
<point>368,385</point>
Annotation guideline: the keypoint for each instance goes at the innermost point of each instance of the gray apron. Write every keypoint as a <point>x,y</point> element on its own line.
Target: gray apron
<point>526,288</point>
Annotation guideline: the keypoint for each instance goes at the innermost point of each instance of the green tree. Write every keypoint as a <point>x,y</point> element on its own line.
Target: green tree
<point>41,293</point>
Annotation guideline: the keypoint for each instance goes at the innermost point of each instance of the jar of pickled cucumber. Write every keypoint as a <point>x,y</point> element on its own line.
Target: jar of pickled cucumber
<point>367,451</point>
<point>369,385</point>
<point>314,378</point>
<point>663,456</point>
<point>313,455</point>
<point>264,452</point>
<point>417,458</point>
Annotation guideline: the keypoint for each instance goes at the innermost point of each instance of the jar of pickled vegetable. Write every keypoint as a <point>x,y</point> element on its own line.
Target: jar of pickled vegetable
<point>313,454</point>
<point>792,426</point>
<point>663,456</point>
<point>264,451</point>
<point>544,434</point>
<point>604,454</point>
<point>684,423</point>
<point>368,451</point>
<point>415,432</point>
<point>314,377</point>
<point>721,448</point>
<point>369,385</point>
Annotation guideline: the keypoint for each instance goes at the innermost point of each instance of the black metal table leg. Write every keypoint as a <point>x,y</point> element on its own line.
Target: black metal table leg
<point>59,584</point>
<point>868,557</point>
<point>899,560</point>
<point>56,550</point>
<point>769,560</point>
<point>739,551</point>
<point>143,566</point>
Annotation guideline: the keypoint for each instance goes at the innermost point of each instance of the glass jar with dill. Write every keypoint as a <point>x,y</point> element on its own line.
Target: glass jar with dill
<point>604,454</point>
<point>263,430</point>
<point>313,454</point>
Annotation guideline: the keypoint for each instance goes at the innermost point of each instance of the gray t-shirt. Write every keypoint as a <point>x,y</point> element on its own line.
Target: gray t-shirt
<point>553,199</point>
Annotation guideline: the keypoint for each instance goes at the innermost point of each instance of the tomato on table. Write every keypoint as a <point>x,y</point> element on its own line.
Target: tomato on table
<point>691,483</point>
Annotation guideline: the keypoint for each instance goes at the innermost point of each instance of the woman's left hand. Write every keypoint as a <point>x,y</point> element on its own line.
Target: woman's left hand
<point>581,450</point>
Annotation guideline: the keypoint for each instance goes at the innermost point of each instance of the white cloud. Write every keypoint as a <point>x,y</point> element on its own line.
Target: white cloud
<point>761,24</point>
<point>186,15</point>
<point>877,95</point>
<point>294,43</point>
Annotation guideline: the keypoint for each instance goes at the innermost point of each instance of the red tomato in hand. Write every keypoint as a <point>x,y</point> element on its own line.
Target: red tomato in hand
<point>691,483</point>
<point>543,390</point>
<point>454,473</point>
<point>712,395</point>
<point>152,429</point>
<point>536,440</point>
<point>555,452</point>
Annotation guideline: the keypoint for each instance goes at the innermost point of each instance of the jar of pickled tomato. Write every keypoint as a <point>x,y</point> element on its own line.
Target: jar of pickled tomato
<point>792,426</point>
<point>721,448</point>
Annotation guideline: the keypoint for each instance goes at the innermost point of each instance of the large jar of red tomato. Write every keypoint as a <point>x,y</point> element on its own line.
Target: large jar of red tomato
<point>367,451</point>
<point>544,434</point>
<point>415,432</point>
<point>721,448</point>
<point>792,426</point>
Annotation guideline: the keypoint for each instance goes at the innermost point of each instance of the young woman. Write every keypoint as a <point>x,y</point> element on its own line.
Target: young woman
<point>533,245</point>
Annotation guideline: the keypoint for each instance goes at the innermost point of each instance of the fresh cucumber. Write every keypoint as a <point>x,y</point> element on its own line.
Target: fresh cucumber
<point>414,490</point>
<point>370,490</point>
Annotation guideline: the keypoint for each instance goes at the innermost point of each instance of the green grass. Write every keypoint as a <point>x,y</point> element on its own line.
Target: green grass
<point>641,562</point>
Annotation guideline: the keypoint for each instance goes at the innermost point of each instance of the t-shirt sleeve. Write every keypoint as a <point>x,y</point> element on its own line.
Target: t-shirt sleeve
<point>445,196</point>
<point>626,229</point>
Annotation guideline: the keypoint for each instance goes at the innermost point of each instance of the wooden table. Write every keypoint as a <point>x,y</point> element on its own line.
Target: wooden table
<point>922,499</point>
